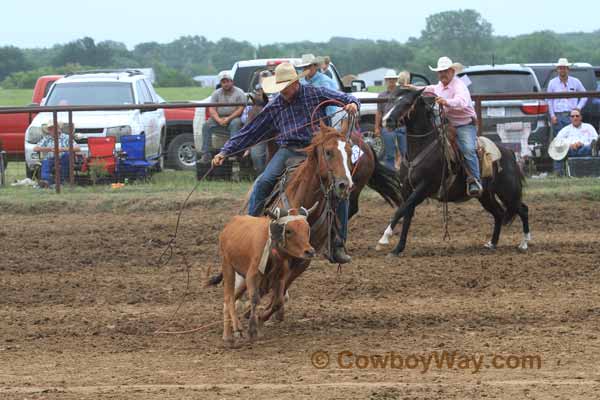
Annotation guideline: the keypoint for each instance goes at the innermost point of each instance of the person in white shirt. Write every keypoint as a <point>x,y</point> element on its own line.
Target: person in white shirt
<point>582,138</point>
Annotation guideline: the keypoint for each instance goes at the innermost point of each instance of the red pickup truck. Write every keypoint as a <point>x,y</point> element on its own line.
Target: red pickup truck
<point>13,126</point>
<point>181,153</point>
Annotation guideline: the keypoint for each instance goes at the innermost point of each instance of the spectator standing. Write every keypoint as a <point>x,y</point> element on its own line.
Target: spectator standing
<point>393,139</point>
<point>325,67</point>
<point>225,117</point>
<point>560,108</point>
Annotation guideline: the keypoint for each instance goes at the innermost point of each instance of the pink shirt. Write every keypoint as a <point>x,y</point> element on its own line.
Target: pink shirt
<point>460,109</point>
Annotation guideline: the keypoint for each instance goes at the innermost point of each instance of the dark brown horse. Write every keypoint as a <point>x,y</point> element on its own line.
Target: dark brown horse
<point>423,175</point>
<point>325,174</point>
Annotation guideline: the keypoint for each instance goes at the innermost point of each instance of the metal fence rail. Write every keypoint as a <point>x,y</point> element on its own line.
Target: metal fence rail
<point>478,99</point>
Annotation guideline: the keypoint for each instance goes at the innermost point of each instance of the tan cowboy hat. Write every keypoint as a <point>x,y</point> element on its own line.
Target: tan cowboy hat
<point>309,59</point>
<point>558,149</point>
<point>49,124</point>
<point>563,62</point>
<point>445,63</point>
<point>390,74</point>
<point>285,75</point>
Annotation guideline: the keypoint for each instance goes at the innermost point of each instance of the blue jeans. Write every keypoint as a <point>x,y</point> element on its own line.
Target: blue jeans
<point>391,139</point>
<point>209,128</point>
<point>562,121</point>
<point>47,170</point>
<point>583,151</point>
<point>466,136</point>
<point>266,182</point>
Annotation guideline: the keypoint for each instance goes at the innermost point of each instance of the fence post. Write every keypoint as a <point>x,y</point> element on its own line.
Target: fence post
<point>56,152</point>
<point>71,153</point>
<point>479,120</point>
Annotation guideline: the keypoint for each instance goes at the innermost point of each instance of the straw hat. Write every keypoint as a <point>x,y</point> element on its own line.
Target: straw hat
<point>445,63</point>
<point>563,62</point>
<point>49,124</point>
<point>309,59</point>
<point>558,149</point>
<point>285,75</point>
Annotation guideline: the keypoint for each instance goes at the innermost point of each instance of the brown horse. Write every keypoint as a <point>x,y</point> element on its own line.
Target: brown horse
<point>326,173</point>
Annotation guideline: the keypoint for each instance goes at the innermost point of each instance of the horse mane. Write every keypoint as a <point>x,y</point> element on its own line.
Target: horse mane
<point>306,169</point>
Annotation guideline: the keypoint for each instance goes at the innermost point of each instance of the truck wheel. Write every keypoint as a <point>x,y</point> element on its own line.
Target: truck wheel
<point>368,131</point>
<point>182,152</point>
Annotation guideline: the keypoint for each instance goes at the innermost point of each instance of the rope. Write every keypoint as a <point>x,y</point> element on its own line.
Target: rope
<point>167,253</point>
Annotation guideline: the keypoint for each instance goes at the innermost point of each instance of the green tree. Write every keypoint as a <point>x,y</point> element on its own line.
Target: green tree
<point>12,60</point>
<point>462,35</point>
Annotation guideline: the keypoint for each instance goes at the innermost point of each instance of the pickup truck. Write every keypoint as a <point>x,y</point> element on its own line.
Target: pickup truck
<point>179,140</point>
<point>245,76</point>
<point>13,126</point>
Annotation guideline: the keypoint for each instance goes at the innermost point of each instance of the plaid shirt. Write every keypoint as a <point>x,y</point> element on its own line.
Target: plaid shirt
<point>290,120</point>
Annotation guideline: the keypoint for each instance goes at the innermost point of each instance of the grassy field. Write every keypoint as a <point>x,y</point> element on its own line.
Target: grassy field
<point>22,97</point>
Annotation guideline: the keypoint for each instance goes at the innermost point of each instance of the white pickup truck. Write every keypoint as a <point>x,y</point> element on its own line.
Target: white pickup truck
<point>245,77</point>
<point>103,88</point>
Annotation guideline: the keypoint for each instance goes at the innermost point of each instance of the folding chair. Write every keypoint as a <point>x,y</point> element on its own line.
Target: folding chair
<point>102,152</point>
<point>132,158</point>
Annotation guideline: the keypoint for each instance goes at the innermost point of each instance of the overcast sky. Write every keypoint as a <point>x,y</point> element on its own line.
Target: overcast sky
<point>36,23</point>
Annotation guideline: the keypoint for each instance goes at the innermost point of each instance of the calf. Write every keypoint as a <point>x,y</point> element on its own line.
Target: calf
<point>247,244</point>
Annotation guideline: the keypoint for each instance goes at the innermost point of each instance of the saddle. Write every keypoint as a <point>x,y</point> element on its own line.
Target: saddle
<point>487,152</point>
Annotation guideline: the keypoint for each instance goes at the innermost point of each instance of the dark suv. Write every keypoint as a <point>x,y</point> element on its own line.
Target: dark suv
<point>522,125</point>
<point>582,71</point>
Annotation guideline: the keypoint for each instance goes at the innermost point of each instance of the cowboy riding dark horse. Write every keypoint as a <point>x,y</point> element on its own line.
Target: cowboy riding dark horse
<point>434,169</point>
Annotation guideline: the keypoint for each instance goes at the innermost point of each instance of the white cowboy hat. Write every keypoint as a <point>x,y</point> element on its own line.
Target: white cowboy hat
<point>390,74</point>
<point>308,59</point>
<point>445,63</point>
<point>558,149</point>
<point>563,62</point>
<point>285,75</point>
<point>225,75</point>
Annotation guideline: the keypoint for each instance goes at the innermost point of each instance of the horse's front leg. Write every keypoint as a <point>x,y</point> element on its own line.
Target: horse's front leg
<point>407,212</point>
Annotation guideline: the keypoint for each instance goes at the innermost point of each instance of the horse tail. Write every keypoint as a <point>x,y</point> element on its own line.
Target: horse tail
<point>386,182</point>
<point>513,182</point>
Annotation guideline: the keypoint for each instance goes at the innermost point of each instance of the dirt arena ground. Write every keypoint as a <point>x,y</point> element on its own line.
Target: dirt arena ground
<point>81,297</point>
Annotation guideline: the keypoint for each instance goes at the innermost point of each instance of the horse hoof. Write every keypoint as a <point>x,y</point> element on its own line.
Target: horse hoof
<point>393,256</point>
<point>380,246</point>
<point>523,248</point>
<point>490,246</point>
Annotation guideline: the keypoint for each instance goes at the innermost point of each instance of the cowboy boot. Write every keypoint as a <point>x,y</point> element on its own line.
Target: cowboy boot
<point>339,253</point>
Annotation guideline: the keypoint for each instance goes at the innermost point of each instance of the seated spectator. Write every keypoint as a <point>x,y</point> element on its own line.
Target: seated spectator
<point>580,137</point>
<point>227,117</point>
<point>45,146</point>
